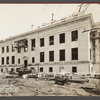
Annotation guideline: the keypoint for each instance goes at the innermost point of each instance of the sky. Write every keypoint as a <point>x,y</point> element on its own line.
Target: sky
<point>18,18</point>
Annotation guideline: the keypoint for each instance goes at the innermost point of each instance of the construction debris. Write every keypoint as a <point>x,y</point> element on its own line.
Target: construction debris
<point>79,79</point>
<point>32,85</point>
<point>20,86</point>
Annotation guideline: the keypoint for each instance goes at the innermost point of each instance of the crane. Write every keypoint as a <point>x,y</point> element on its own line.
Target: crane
<point>81,8</point>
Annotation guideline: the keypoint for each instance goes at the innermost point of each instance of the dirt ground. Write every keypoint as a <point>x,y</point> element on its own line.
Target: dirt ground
<point>33,87</point>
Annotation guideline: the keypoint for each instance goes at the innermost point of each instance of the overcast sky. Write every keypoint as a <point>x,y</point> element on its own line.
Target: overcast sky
<point>18,18</point>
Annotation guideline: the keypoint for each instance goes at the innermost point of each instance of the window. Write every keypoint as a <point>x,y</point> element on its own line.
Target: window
<point>62,55</point>
<point>51,40</point>
<point>61,68</point>
<point>7,60</point>
<point>12,48</point>
<point>32,44</point>
<point>25,44</point>
<point>19,50</point>
<point>51,55</point>
<point>12,69</point>
<point>1,69</point>
<point>33,60</point>
<point>74,69</point>
<point>50,69</point>
<point>74,53</point>
<point>25,49</point>
<point>2,60</point>
<point>2,49</point>
<point>62,38</point>
<point>18,61</point>
<point>41,69</point>
<point>74,35</point>
<point>41,56</point>
<point>7,48</point>
<point>13,59</point>
<point>41,42</point>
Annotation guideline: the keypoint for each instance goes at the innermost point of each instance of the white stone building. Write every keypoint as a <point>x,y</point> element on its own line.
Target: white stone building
<point>55,46</point>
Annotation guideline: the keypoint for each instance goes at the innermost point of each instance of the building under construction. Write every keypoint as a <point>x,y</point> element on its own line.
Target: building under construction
<point>71,44</point>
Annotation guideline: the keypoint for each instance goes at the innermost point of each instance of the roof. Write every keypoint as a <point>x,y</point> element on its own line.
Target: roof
<point>54,24</point>
<point>96,24</point>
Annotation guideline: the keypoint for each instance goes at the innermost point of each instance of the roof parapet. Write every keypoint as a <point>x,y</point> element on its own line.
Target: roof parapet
<point>54,22</point>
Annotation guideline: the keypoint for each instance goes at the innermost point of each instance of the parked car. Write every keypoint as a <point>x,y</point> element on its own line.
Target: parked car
<point>61,78</point>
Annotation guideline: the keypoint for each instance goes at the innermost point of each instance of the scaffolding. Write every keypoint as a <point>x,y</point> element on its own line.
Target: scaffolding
<point>21,43</point>
<point>95,42</point>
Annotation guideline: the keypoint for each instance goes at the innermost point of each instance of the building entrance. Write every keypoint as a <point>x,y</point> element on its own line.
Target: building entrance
<point>25,63</point>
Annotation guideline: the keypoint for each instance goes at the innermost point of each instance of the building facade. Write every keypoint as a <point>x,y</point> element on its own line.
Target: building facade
<point>59,45</point>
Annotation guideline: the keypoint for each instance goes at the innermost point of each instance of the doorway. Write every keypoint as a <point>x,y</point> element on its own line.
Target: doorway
<point>25,63</point>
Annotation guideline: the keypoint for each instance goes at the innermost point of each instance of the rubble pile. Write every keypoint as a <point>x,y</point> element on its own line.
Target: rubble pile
<point>40,87</point>
<point>8,88</point>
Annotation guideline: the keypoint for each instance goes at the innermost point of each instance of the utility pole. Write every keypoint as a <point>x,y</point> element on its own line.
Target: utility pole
<point>80,7</point>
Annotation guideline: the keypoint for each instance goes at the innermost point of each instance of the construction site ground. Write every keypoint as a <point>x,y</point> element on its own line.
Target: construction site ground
<point>42,87</point>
